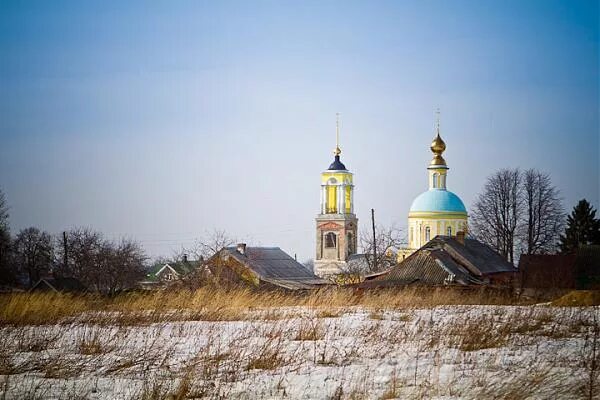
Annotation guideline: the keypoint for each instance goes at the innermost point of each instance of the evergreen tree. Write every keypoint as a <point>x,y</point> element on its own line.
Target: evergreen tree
<point>583,228</point>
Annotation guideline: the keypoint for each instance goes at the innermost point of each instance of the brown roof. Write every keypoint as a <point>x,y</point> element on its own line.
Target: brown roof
<point>444,260</point>
<point>429,267</point>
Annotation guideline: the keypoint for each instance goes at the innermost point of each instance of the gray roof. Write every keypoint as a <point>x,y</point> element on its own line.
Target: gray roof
<point>445,260</point>
<point>431,267</point>
<point>485,259</point>
<point>273,265</point>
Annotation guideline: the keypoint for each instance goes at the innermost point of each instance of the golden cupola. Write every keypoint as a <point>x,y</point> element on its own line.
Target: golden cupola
<point>437,148</point>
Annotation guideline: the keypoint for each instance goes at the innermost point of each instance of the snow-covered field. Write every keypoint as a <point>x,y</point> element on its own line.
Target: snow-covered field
<point>445,352</point>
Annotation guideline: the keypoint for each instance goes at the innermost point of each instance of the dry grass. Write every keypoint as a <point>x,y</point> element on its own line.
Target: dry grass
<point>214,304</point>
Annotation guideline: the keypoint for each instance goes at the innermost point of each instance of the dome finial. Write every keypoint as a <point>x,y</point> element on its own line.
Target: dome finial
<point>337,150</point>
<point>438,146</point>
<point>437,121</point>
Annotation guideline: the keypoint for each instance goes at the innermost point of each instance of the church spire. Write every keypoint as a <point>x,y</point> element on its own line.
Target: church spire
<point>337,150</point>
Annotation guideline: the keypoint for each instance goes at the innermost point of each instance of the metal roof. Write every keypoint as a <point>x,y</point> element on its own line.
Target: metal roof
<point>431,267</point>
<point>445,260</point>
<point>485,259</point>
<point>275,266</point>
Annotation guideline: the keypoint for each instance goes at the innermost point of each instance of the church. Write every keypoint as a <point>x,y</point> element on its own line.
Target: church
<point>337,225</point>
<point>434,212</point>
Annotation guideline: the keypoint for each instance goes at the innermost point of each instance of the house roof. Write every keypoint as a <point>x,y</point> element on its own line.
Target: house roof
<point>445,260</point>
<point>180,267</point>
<point>478,254</point>
<point>273,265</point>
<point>431,267</point>
<point>60,284</point>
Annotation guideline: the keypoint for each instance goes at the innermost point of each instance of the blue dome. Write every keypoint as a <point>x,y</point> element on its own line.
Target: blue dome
<point>437,200</point>
<point>337,165</point>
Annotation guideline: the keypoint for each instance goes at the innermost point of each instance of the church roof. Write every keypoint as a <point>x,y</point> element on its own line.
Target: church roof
<point>438,200</point>
<point>337,165</point>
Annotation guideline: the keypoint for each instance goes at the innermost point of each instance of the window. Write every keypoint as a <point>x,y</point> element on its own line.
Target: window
<point>449,231</point>
<point>427,234</point>
<point>435,180</point>
<point>330,240</point>
<point>410,237</point>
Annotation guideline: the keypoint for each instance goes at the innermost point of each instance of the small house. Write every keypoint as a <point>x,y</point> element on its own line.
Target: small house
<point>449,260</point>
<point>58,284</point>
<point>167,272</point>
<point>262,267</point>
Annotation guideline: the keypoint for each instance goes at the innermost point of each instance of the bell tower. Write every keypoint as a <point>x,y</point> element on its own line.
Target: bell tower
<point>337,224</point>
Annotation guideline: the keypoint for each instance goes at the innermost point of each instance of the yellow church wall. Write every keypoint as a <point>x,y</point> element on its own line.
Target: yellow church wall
<point>438,226</point>
<point>340,177</point>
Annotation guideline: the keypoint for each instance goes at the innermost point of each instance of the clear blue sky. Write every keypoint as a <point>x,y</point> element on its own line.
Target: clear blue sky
<point>160,120</point>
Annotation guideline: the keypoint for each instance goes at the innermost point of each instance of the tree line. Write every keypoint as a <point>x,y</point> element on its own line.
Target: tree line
<point>102,265</point>
<point>521,212</point>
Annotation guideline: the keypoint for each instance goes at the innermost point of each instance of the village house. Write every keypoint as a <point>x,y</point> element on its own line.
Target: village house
<point>168,272</point>
<point>262,267</point>
<point>449,260</point>
<point>58,284</point>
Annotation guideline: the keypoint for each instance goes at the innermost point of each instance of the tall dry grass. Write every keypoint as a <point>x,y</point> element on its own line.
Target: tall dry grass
<point>218,304</point>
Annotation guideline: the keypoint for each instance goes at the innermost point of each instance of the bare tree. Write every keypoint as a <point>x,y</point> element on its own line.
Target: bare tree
<point>84,247</point>
<point>120,266</point>
<point>34,253</point>
<point>6,271</point>
<point>103,265</point>
<point>387,241</point>
<point>544,214</point>
<point>211,244</point>
<point>497,212</point>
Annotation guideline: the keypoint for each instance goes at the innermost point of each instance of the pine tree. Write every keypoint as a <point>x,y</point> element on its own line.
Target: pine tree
<point>583,228</point>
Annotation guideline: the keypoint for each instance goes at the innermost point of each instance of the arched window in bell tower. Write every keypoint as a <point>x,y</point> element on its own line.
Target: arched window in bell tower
<point>427,234</point>
<point>449,231</point>
<point>330,240</point>
<point>436,178</point>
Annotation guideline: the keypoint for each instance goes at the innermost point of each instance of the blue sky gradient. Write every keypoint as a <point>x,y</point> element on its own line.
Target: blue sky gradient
<point>161,120</point>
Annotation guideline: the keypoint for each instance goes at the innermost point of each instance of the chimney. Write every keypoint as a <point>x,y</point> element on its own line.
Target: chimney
<point>241,248</point>
<point>460,237</point>
<point>185,258</point>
